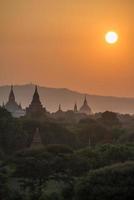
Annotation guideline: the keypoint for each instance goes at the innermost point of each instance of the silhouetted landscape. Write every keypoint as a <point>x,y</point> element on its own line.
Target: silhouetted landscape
<point>64,155</point>
<point>52,97</point>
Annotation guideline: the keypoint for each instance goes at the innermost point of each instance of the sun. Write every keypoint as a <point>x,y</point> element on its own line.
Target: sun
<point>111,37</point>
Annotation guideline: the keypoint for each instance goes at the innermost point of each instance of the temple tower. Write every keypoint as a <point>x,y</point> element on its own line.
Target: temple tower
<point>75,108</point>
<point>85,109</point>
<point>36,142</point>
<point>35,109</point>
<point>59,108</point>
<point>11,105</point>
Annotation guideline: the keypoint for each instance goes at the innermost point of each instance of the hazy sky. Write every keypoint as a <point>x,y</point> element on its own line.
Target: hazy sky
<point>60,43</point>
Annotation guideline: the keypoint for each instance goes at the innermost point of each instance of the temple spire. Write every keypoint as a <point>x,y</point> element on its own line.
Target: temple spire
<point>12,106</point>
<point>85,109</point>
<point>36,97</point>
<point>75,108</point>
<point>11,95</point>
<point>35,109</point>
<point>85,100</point>
<point>36,89</point>
<point>37,141</point>
<point>59,108</point>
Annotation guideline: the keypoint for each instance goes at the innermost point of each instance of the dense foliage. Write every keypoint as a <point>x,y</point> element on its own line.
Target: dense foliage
<point>91,159</point>
<point>114,182</point>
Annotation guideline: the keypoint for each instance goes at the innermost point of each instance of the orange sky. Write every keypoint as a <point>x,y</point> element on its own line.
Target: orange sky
<point>60,43</point>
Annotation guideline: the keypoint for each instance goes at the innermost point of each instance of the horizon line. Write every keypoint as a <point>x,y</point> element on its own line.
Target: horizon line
<point>64,88</point>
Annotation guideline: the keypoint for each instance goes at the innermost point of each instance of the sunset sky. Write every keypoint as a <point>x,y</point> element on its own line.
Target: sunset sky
<point>61,43</point>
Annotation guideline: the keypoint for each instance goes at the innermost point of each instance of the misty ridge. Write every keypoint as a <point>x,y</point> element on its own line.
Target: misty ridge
<point>52,97</point>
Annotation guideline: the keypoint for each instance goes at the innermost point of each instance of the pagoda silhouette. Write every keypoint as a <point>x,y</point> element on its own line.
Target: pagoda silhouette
<point>35,108</point>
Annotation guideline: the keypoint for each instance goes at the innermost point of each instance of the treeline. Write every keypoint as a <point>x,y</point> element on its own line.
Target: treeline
<point>58,172</point>
<point>17,134</point>
<point>89,160</point>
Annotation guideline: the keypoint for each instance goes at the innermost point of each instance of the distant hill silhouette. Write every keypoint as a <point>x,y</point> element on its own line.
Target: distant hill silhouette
<point>52,97</point>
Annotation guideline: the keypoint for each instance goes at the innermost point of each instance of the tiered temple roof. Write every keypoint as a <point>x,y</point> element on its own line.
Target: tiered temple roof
<point>35,108</point>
